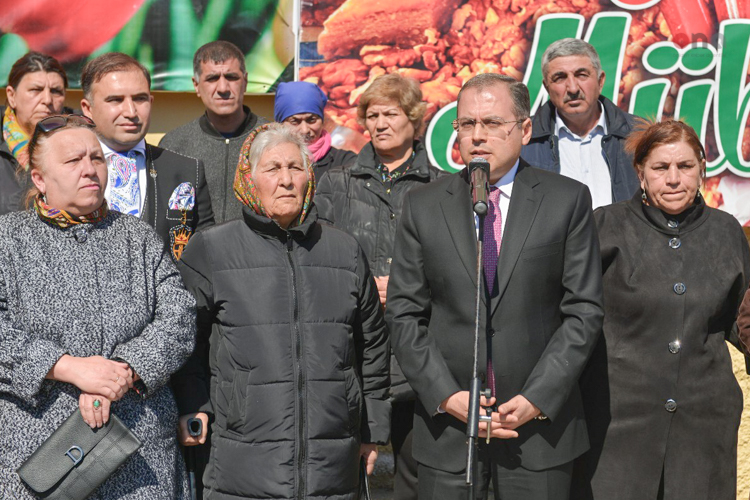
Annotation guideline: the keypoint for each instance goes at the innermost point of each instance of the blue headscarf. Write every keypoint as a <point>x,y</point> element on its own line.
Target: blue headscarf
<point>298,97</point>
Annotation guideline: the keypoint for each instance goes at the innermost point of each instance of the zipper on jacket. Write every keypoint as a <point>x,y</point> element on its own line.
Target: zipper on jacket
<point>226,174</point>
<point>300,375</point>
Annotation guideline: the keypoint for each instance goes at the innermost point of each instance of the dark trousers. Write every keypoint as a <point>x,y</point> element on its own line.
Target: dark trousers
<point>508,484</point>
<point>402,423</point>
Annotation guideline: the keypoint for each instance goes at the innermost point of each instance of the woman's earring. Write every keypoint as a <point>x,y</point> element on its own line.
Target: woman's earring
<point>643,196</point>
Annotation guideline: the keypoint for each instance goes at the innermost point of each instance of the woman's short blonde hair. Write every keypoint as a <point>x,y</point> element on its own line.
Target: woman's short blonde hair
<point>399,89</point>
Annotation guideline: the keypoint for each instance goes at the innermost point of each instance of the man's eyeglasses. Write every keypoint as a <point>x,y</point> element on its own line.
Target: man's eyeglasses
<point>493,126</point>
<point>55,122</point>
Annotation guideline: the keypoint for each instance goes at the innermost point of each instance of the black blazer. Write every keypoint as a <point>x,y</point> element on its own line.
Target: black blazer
<point>166,171</point>
<point>545,318</point>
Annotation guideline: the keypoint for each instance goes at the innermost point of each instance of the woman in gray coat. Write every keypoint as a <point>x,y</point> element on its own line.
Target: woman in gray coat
<point>662,404</point>
<point>93,317</point>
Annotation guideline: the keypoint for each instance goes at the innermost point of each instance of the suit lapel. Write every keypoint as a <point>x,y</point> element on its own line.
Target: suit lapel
<point>149,206</point>
<point>524,205</point>
<point>459,218</point>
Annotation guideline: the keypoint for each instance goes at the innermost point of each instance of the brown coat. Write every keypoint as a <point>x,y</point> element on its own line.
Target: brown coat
<point>653,405</point>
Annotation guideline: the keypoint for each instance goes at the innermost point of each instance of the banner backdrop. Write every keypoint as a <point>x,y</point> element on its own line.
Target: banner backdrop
<point>161,34</point>
<point>662,58</point>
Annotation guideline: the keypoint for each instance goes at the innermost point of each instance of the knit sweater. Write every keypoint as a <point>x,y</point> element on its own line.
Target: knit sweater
<point>105,289</point>
<point>199,139</point>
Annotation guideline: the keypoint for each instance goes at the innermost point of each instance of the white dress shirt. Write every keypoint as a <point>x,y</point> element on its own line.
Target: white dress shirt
<point>140,163</point>
<point>505,185</point>
<point>582,159</point>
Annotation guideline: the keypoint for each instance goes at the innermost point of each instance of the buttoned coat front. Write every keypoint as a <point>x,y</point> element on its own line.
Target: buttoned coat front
<point>659,391</point>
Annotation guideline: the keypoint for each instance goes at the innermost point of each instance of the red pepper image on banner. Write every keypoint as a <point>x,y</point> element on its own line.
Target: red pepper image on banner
<point>732,9</point>
<point>66,30</point>
<point>689,20</point>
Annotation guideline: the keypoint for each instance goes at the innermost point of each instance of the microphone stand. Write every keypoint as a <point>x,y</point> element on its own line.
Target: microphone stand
<point>473,417</point>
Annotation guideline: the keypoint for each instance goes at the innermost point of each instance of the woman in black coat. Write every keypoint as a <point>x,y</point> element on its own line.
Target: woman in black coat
<point>298,347</point>
<point>662,404</point>
<point>365,200</point>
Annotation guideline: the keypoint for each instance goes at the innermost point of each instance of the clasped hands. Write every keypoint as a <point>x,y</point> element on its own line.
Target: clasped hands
<point>99,379</point>
<point>509,416</point>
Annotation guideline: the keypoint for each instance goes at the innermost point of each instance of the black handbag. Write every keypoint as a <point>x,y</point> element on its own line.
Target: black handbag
<point>76,459</point>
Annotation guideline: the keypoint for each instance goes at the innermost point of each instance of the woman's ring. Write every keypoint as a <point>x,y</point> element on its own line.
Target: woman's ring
<point>118,379</point>
<point>97,404</point>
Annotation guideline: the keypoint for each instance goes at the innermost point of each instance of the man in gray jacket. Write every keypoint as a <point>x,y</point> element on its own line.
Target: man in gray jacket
<point>217,136</point>
<point>579,133</point>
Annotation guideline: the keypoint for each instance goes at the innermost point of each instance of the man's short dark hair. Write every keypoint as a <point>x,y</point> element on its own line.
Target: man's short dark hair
<point>519,93</point>
<point>217,52</point>
<point>110,62</point>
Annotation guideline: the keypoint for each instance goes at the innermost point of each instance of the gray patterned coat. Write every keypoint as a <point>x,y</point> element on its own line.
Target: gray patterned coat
<point>105,289</point>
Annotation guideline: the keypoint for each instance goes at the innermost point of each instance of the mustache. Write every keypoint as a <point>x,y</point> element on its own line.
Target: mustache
<point>573,97</point>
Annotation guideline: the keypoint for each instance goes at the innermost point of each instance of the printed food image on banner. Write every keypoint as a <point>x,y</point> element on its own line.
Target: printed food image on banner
<point>662,58</point>
<point>162,34</point>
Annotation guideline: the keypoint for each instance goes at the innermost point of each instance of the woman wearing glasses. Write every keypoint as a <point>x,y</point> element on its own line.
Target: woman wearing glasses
<point>36,89</point>
<point>93,318</point>
<point>365,201</point>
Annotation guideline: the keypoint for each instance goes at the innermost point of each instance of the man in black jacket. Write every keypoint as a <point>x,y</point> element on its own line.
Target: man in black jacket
<point>579,133</point>
<point>216,137</point>
<point>541,308</point>
<point>164,189</point>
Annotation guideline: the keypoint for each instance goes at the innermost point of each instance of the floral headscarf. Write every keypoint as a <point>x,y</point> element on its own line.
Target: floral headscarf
<point>17,139</point>
<point>244,187</point>
<point>63,219</point>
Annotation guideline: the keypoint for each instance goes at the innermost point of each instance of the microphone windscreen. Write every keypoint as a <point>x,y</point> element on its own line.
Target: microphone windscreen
<point>480,163</point>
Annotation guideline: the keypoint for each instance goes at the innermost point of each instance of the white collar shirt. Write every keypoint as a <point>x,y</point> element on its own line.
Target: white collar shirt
<point>505,185</point>
<point>582,158</point>
<point>140,162</point>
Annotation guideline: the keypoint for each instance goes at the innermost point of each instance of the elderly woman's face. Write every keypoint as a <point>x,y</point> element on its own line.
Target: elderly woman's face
<point>72,172</point>
<point>671,177</point>
<point>281,180</point>
<point>389,127</point>
<point>37,95</point>
<point>308,125</point>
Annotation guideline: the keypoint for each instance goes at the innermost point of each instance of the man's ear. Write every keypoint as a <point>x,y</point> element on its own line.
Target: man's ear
<point>86,107</point>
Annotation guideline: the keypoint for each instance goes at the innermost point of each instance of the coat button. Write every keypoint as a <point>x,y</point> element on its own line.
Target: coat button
<point>674,346</point>
<point>670,405</point>
<point>81,235</point>
<point>393,216</point>
<point>679,288</point>
<point>672,223</point>
<point>675,243</point>
<point>388,190</point>
<point>388,260</point>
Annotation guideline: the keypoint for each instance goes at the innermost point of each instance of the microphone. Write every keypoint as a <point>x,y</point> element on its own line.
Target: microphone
<point>479,170</point>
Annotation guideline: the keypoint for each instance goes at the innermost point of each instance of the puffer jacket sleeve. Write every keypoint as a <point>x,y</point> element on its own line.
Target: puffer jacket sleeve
<point>25,358</point>
<point>167,341</point>
<point>373,354</point>
<point>190,383</point>
<point>330,196</point>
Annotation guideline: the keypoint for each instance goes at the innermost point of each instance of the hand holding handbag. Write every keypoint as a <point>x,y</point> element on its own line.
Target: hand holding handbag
<point>76,459</point>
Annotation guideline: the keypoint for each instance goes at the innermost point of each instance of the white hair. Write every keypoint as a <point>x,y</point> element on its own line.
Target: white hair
<point>275,135</point>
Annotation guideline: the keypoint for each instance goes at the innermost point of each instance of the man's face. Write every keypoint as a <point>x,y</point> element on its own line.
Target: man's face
<point>221,87</point>
<point>573,86</point>
<point>497,136</point>
<point>121,108</point>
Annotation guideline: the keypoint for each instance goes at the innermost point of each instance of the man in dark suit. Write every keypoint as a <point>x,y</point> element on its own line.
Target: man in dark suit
<point>164,189</point>
<point>541,308</point>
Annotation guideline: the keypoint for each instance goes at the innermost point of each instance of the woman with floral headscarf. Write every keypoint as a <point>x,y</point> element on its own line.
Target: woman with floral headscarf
<point>36,89</point>
<point>298,347</point>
